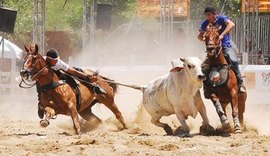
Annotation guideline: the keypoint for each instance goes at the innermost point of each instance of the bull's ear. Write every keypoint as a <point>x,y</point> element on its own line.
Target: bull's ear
<point>26,48</point>
<point>182,59</point>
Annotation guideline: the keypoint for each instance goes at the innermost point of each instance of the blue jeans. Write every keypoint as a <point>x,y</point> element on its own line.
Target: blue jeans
<point>232,60</point>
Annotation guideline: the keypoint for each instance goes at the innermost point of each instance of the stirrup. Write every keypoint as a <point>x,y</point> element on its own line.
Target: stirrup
<point>242,89</point>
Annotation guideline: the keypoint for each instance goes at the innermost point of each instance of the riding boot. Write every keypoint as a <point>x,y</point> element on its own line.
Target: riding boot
<point>99,90</point>
<point>40,111</point>
<point>240,81</point>
<point>40,106</point>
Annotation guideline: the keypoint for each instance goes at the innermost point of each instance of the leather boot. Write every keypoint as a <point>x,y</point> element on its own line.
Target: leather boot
<point>99,90</point>
<point>240,81</point>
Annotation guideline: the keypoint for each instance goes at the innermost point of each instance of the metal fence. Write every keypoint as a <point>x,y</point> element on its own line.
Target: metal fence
<point>253,38</point>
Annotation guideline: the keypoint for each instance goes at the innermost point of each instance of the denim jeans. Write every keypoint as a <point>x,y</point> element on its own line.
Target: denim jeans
<point>232,59</point>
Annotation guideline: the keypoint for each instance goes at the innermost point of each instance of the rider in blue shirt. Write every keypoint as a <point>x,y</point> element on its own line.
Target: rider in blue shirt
<point>226,26</point>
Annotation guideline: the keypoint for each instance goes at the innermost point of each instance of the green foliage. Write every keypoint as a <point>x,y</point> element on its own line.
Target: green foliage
<point>70,17</point>
<point>232,8</point>
<point>24,20</point>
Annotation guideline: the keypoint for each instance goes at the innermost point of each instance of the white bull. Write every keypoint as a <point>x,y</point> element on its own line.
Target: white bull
<point>177,93</point>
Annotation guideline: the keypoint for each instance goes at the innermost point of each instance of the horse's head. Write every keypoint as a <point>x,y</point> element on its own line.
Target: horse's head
<point>33,62</point>
<point>192,65</point>
<point>212,41</point>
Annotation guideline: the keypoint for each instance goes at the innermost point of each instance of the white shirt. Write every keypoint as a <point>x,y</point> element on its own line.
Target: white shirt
<point>60,65</point>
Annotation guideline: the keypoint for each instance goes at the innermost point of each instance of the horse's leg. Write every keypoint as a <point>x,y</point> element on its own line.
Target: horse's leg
<point>234,105</point>
<point>206,127</point>
<point>88,115</point>
<point>76,117</point>
<point>241,107</point>
<point>113,107</point>
<point>49,113</point>
<point>166,127</point>
<point>222,116</point>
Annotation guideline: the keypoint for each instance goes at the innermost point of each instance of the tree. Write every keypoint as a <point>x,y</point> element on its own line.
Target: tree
<point>24,20</point>
<point>232,8</point>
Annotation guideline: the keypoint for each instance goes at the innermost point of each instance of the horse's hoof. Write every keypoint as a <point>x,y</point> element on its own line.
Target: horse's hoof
<point>125,127</point>
<point>44,123</point>
<point>227,128</point>
<point>237,131</point>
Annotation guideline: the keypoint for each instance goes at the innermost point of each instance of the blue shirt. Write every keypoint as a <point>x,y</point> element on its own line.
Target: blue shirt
<point>220,20</point>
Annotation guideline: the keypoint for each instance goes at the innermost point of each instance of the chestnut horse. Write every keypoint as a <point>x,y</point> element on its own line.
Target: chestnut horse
<point>228,91</point>
<point>60,98</point>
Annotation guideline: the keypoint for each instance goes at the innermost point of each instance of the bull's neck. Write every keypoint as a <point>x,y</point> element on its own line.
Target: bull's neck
<point>48,78</point>
<point>191,85</point>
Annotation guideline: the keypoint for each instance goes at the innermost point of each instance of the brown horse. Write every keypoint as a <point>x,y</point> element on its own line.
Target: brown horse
<point>221,84</point>
<point>59,97</point>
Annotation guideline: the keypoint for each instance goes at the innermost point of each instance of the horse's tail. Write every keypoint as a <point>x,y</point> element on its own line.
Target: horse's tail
<point>141,88</point>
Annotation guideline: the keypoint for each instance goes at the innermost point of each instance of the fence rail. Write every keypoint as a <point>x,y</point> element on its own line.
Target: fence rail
<point>253,39</point>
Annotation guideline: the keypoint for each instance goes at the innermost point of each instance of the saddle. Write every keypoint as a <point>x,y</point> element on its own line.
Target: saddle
<point>217,77</point>
<point>73,84</point>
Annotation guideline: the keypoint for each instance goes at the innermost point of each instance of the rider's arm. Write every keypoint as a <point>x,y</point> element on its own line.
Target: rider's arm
<point>77,73</point>
<point>202,29</point>
<point>200,36</point>
<point>229,27</point>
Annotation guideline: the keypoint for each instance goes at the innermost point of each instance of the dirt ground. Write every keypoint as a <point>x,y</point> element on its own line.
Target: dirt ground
<point>20,133</point>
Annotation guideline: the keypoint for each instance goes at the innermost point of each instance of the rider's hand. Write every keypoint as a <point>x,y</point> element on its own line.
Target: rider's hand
<point>91,78</point>
<point>221,37</point>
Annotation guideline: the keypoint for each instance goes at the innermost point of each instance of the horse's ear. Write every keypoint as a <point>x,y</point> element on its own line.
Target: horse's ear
<point>36,48</point>
<point>207,28</point>
<point>219,28</point>
<point>26,48</point>
<point>182,59</point>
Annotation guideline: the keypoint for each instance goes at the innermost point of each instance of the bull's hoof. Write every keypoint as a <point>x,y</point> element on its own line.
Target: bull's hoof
<point>181,133</point>
<point>168,130</point>
<point>44,123</point>
<point>207,130</point>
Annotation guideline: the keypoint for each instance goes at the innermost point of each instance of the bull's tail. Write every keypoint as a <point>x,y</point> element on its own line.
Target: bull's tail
<point>141,88</point>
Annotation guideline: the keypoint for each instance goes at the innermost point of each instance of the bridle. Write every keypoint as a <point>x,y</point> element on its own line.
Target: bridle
<point>213,49</point>
<point>26,73</point>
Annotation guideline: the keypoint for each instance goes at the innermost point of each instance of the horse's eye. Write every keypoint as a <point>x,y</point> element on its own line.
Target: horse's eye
<point>189,66</point>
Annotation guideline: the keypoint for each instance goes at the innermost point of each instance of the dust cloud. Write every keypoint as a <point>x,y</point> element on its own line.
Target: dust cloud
<point>135,54</point>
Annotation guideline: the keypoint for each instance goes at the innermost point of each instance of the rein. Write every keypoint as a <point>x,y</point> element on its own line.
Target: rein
<point>28,85</point>
<point>41,70</point>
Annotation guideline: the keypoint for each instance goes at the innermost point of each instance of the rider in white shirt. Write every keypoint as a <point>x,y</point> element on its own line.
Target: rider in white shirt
<point>57,64</point>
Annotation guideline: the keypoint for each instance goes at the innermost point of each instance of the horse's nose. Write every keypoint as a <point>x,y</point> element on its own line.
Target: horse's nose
<point>202,77</point>
<point>24,73</point>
